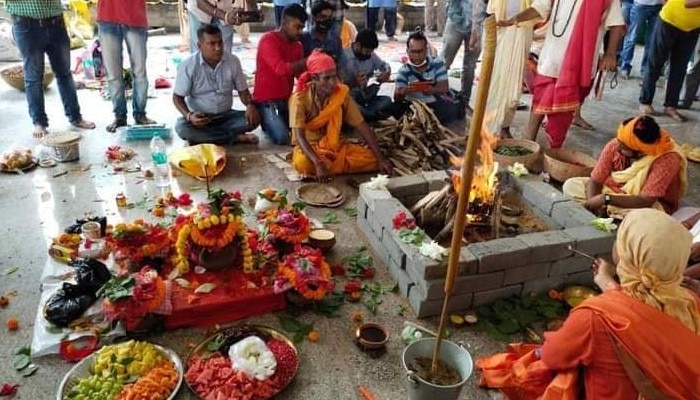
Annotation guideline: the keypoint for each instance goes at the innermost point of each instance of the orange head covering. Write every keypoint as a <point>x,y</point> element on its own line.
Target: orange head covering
<point>626,135</point>
<point>317,62</point>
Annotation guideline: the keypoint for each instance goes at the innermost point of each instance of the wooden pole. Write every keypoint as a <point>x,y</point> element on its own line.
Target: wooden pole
<point>487,56</point>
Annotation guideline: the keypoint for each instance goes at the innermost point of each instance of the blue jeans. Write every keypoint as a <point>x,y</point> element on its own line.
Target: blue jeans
<point>275,120</point>
<point>222,129</point>
<point>676,46</point>
<point>389,19</point>
<point>377,108</point>
<point>452,41</point>
<point>692,79</point>
<point>640,16</point>
<point>226,33</point>
<point>33,40</point>
<point>112,36</point>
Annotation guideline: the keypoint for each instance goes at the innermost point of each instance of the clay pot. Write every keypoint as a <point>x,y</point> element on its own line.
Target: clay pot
<point>372,336</point>
<point>322,239</point>
<point>220,259</point>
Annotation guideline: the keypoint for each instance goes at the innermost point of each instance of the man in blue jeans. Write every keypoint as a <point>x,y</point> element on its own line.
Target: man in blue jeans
<point>38,29</point>
<point>465,20</point>
<point>642,15</point>
<point>388,8</point>
<point>203,94</point>
<point>125,21</point>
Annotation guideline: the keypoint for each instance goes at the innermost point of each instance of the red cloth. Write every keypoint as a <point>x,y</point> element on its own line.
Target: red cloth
<point>663,180</point>
<point>558,122</point>
<point>274,79</point>
<point>317,62</point>
<point>127,12</point>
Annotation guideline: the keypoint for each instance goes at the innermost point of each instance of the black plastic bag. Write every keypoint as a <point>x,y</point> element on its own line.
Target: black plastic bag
<point>67,304</point>
<point>90,275</point>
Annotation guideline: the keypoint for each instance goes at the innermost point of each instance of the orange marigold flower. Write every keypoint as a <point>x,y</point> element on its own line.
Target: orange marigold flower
<point>12,324</point>
<point>314,336</point>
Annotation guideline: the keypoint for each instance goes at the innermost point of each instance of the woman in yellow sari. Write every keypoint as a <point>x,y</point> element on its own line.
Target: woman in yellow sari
<point>640,337</point>
<point>512,50</point>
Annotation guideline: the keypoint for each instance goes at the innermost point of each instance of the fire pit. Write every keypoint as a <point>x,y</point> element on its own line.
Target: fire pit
<point>503,254</point>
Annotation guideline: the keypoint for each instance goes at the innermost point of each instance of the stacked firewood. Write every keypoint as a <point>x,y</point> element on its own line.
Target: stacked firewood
<point>437,208</point>
<point>418,141</point>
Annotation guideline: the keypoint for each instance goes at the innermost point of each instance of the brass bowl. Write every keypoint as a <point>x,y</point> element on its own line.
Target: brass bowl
<point>372,336</point>
<point>323,239</point>
<point>575,295</point>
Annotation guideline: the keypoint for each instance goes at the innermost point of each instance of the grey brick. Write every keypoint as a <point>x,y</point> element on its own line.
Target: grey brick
<point>361,208</point>
<point>543,285</point>
<point>436,179</point>
<point>570,214</point>
<point>385,210</point>
<point>435,288</point>
<point>570,265</point>
<point>591,240</point>
<point>547,246</point>
<point>374,224</point>
<point>401,277</point>
<point>428,308</point>
<point>371,196</point>
<point>542,195</point>
<point>410,185</point>
<point>426,268</point>
<point>500,254</point>
<point>489,296</point>
<point>581,278</point>
<point>468,263</point>
<point>527,273</point>
<point>374,242</point>
<point>395,248</point>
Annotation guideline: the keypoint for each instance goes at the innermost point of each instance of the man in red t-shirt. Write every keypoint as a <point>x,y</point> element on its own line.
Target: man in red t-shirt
<point>280,58</point>
<point>124,21</point>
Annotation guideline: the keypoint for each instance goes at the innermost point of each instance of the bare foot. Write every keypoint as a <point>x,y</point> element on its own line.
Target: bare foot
<point>673,113</point>
<point>247,138</point>
<point>646,109</point>
<point>40,131</point>
<point>505,133</point>
<point>83,124</point>
<point>582,123</point>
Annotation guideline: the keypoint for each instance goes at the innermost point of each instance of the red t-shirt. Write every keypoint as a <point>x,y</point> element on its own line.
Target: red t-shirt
<point>127,12</point>
<point>274,79</point>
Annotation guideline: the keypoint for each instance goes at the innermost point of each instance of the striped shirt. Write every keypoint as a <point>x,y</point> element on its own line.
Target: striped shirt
<point>37,9</point>
<point>436,72</point>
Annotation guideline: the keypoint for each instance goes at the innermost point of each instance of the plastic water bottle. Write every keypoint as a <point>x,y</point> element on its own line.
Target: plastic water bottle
<point>88,68</point>
<point>160,162</point>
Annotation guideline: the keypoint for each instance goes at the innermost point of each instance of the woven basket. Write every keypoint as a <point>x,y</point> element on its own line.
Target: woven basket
<point>14,76</point>
<point>528,160</point>
<point>561,164</point>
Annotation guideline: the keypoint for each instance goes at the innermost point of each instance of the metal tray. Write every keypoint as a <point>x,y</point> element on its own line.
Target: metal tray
<point>82,370</point>
<point>201,349</point>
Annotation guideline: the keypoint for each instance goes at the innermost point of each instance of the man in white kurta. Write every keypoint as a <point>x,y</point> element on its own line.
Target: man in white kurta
<point>569,57</point>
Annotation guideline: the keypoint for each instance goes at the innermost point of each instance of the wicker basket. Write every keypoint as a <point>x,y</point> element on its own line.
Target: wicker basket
<point>14,76</point>
<point>528,160</point>
<point>561,164</point>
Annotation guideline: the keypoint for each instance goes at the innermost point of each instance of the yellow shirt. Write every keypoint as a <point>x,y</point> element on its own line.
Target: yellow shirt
<point>677,14</point>
<point>303,108</point>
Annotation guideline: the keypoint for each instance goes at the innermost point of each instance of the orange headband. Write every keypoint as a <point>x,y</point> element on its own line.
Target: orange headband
<point>317,62</point>
<point>625,134</point>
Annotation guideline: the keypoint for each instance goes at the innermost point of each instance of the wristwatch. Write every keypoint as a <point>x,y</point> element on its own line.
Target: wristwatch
<point>607,199</point>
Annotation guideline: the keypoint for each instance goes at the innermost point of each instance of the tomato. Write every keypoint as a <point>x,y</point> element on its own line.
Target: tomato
<point>76,350</point>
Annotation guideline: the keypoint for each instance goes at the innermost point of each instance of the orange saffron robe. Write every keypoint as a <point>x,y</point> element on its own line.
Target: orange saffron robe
<point>322,130</point>
<point>665,350</point>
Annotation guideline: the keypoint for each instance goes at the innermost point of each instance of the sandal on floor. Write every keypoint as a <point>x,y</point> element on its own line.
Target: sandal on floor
<point>247,138</point>
<point>117,123</point>
<point>583,124</point>
<point>39,131</point>
<point>82,124</point>
<point>144,120</point>
<point>673,113</point>
<point>646,110</point>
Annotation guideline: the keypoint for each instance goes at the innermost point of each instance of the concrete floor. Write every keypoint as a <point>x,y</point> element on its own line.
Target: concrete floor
<point>35,206</point>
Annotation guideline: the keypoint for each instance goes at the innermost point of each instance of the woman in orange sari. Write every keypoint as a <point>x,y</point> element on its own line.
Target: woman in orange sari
<point>638,339</point>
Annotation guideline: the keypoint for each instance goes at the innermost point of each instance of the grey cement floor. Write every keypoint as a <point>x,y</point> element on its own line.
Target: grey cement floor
<point>36,206</point>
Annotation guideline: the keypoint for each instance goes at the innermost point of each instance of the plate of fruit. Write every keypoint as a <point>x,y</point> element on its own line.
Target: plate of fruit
<point>247,362</point>
<point>129,370</point>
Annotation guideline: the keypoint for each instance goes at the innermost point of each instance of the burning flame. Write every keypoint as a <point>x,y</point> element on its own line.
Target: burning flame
<point>484,179</point>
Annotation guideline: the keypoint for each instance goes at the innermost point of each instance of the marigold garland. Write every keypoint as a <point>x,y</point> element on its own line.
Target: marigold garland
<point>294,235</point>
<point>310,285</point>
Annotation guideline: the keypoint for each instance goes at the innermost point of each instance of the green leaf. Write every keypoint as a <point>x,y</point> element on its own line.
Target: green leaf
<point>10,270</point>
<point>214,344</point>
<point>26,350</point>
<point>509,326</point>
<point>21,362</point>
<point>290,324</point>
<point>299,337</point>
<point>330,218</point>
<point>29,370</point>
<point>350,212</point>
<point>298,206</point>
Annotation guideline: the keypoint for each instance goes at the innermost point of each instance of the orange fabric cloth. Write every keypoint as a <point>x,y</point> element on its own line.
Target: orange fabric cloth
<point>316,63</point>
<point>662,182</point>
<point>323,132</point>
<point>665,350</point>
<point>625,134</point>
